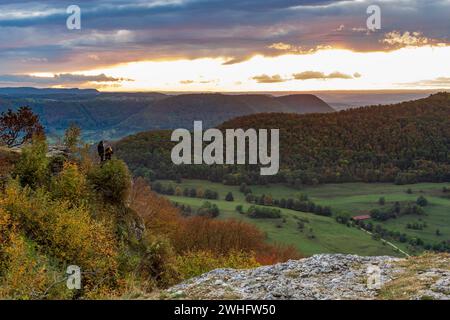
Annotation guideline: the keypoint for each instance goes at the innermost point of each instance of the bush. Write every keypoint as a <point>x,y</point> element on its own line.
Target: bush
<point>70,184</point>
<point>112,180</point>
<point>32,168</point>
<point>158,263</point>
<point>208,210</point>
<point>422,201</point>
<point>229,197</point>
<point>239,208</point>
<point>68,234</point>
<point>263,213</point>
<point>192,264</point>
<point>26,274</point>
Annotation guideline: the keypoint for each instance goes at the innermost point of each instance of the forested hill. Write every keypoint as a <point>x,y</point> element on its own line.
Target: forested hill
<point>115,115</point>
<point>213,109</point>
<point>406,143</point>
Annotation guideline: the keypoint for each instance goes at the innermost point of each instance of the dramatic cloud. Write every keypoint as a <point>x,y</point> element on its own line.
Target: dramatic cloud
<point>307,75</point>
<point>396,38</point>
<point>269,79</point>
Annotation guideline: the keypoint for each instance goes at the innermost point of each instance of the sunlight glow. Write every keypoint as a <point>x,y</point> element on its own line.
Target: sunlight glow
<point>400,69</point>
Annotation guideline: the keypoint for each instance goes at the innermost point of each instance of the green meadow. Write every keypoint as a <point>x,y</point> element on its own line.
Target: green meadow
<point>324,234</point>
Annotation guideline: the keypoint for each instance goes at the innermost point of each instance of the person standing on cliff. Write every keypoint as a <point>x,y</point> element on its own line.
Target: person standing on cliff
<point>108,153</point>
<point>101,151</point>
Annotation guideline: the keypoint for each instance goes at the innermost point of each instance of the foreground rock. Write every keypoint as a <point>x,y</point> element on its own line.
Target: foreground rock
<point>325,277</point>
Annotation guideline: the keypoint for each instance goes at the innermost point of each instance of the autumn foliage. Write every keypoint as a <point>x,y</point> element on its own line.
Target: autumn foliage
<point>19,127</point>
<point>204,234</point>
<point>123,236</point>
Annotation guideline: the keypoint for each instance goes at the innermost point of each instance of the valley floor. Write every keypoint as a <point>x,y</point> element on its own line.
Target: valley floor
<point>324,234</point>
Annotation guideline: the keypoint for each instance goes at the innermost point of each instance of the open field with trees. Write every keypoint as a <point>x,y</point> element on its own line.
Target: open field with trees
<point>312,233</point>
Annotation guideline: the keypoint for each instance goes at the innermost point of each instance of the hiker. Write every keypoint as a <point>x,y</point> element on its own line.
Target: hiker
<point>101,151</point>
<point>108,153</point>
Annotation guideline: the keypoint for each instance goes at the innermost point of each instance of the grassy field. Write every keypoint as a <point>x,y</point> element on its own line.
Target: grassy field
<point>324,234</point>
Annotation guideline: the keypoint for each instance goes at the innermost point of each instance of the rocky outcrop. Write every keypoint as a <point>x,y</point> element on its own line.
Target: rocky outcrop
<point>319,277</point>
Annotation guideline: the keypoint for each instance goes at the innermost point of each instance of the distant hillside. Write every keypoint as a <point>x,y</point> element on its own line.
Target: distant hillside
<point>213,109</point>
<point>114,115</point>
<point>406,143</point>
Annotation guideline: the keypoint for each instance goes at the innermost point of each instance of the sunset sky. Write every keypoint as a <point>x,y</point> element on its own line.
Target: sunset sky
<point>245,45</point>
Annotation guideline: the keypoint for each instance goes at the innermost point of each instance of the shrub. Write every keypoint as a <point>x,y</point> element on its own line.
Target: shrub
<point>27,274</point>
<point>112,180</point>
<point>192,264</point>
<point>263,213</point>
<point>68,234</point>
<point>158,263</point>
<point>422,201</point>
<point>159,215</point>
<point>70,184</point>
<point>208,210</point>
<point>32,167</point>
<point>200,193</point>
<point>219,236</point>
<point>229,197</point>
<point>178,191</point>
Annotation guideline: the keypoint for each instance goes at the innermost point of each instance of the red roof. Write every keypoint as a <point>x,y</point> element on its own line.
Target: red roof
<point>365,217</point>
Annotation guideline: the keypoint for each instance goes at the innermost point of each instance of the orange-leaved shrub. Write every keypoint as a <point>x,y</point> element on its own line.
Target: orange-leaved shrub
<point>202,234</point>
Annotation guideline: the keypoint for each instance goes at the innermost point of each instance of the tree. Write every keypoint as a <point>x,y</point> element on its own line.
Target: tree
<point>17,128</point>
<point>422,201</point>
<point>200,193</point>
<point>192,193</point>
<point>178,191</point>
<point>72,137</point>
<point>229,197</point>
<point>382,201</point>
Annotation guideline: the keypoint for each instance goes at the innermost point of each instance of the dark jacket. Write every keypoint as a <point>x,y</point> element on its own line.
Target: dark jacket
<point>101,149</point>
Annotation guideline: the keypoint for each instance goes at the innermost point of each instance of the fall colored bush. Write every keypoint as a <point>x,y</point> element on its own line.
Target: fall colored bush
<point>158,213</point>
<point>24,272</point>
<point>70,184</point>
<point>195,263</point>
<point>64,232</point>
<point>204,234</point>
<point>158,262</point>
